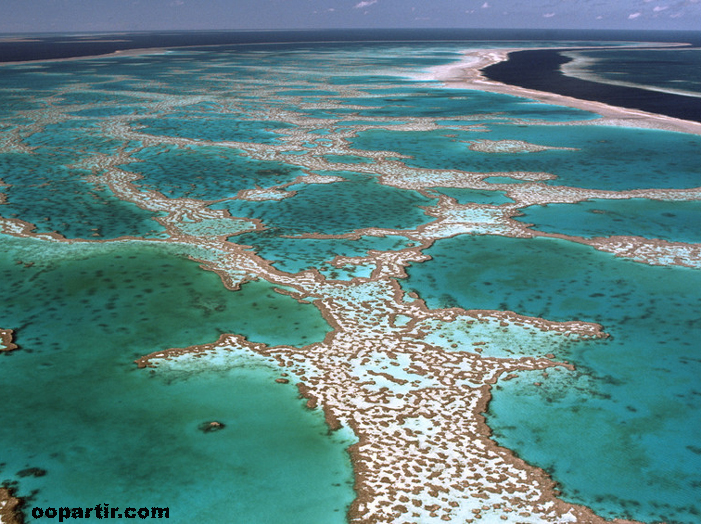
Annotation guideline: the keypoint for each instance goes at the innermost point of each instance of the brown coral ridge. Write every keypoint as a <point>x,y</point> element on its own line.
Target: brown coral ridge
<point>424,450</point>
<point>10,507</point>
<point>7,341</point>
<point>197,351</point>
<point>650,251</point>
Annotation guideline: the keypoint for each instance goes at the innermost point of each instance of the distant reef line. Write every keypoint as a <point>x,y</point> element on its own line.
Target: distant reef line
<point>61,46</point>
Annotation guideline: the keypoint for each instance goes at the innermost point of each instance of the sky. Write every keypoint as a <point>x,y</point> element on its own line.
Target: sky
<point>20,16</point>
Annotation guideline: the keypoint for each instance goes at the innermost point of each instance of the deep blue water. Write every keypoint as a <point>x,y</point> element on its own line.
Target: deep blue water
<point>51,46</point>
<point>673,70</point>
<point>541,70</point>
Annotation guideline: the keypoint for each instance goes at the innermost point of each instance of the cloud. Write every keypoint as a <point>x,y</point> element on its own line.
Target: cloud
<point>485,5</point>
<point>659,8</point>
<point>548,15</point>
<point>365,3</point>
<point>633,16</point>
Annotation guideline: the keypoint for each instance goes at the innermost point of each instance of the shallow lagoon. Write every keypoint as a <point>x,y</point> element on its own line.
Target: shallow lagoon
<point>205,172</point>
<point>56,198</point>
<point>604,157</point>
<point>612,431</point>
<point>476,196</point>
<point>297,254</point>
<point>105,431</point>
<point>214,127</point>
<point>671,221</point>
<point>355,203</point>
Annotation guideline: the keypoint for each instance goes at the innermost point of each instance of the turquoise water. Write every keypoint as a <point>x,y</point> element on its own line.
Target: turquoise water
<point>605,157</point>
<point>105,431</point>
<point>82,97</point>
<point>621,434</point>
<point>475,196</point>
<point>205,172</point>
<point>672,221</point>
<point>342,207</point>
<point>348,159</point>
<point>56,198</point>
<point>453,103</point>
<point>75,137</point>
<point>297,254</point>
<point>100,112</point>
<point>214,127</point>
<point>503,180</point>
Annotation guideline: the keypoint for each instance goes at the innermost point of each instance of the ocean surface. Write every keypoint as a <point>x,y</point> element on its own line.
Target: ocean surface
<point>676,71</point>
<point>266,142</point>
<point>665,80</point>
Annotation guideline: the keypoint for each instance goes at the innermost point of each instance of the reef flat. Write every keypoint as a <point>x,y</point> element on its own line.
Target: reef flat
<point>353,208</point>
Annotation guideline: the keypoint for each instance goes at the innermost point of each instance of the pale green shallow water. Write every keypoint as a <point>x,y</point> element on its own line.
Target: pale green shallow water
<point>107,432</point>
